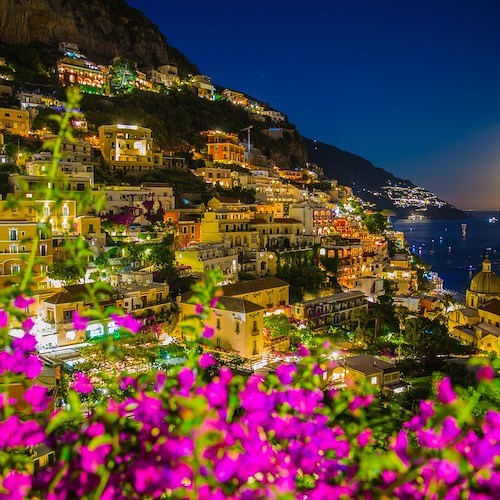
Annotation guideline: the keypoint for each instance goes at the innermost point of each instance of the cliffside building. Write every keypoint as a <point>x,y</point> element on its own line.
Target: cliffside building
<point>128,148</point>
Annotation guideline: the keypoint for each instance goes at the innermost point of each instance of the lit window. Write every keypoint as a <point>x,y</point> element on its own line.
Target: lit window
<point>374,380</point>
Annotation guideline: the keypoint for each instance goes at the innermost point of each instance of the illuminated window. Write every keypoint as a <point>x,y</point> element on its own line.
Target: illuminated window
<point>374,380</point>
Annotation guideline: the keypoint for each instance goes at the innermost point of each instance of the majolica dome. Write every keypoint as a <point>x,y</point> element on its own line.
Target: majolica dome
<point>486,281</point>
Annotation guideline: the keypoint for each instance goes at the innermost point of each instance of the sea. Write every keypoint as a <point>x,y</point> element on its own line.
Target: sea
<point>456,258</point>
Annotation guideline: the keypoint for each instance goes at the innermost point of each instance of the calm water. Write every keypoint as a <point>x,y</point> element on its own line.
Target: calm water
<point>440,243</point>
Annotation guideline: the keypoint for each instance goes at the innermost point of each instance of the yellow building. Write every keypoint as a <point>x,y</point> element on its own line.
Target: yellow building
<point>269,293</point>
<point>373,371</point>
<point>206,256</point>
<point>277,232</point>
<point>229,223</point>
<point>203,86</point>
<point>216,175</point>
<point>478,323</point>
<point>54,323</point>
<point>483,287</point>
<point>237,98</point>
<point>16,243</point>
<point>237,323</point>
<point>128,148</point>
<point>337,309</point>
<point>15,121</point>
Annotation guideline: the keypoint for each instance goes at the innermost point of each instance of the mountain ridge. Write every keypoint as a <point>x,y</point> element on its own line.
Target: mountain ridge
<point>92,25</point>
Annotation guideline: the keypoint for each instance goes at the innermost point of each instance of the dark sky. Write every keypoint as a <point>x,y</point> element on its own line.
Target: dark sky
<point>414,87</point>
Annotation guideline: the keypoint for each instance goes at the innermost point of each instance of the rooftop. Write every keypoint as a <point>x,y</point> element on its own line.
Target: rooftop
<point>336,297</point>
<point>253,286</point>
<point>489,329</point>
<point>492,306</point>
<point>368,365</point>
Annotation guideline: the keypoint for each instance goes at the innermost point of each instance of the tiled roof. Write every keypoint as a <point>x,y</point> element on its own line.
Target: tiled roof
<point>62,298</point>
<point>494,330</point>
<point>253,286</point>
<point>470,313</point>
<point>286,220</point>
<point>492,306</point>
<point>229,303</point>
<point>368,364</point>
<point>336,297</point>
<point>238,305</point>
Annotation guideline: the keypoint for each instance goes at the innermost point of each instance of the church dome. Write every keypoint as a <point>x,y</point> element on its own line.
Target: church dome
<point>486,281</point>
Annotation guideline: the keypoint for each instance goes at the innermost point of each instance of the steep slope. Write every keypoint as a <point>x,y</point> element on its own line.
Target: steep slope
<point>375,184</point>
<point>102,29</point>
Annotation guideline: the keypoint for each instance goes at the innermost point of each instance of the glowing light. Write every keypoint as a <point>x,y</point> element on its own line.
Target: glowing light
<point>127,127</point>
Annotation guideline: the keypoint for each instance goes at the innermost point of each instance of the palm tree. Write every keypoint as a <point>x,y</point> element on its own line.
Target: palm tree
<point>401,314</point>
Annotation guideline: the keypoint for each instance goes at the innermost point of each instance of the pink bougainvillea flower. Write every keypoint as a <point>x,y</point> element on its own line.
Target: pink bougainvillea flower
<point>17,485</point>
<point>208,332</point>
<point>32,366</point>
<point>400,446</point>
<point>361,402</point>
<point>449,429</point>
<point>36,396</point>
<point>198,309</point>
<point>127,382</point>
<point>216,393</point>
<point>91,459</point>
<point>127,321</point>
<point>214,302</point>
<point>364,438</point>
<point>446,394</point>
<point>28,324</point>
<point>82,384</point>
<point>206,360</point>
<point>4,318</point>
<point>79,322</point>
<point>225,469</point>
<point>22,302</point>
<point>303,351</point>
<point>485,373</point>
<point>285,372</point>
<point>426,410</point>
<point>4,399</point>
<point>186,378</point>
<point>24,344</point>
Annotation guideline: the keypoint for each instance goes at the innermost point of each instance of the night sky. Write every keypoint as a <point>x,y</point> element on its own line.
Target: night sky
<point>414,87</point>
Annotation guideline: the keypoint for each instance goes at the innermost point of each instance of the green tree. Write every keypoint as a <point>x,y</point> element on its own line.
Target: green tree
<point>62,271</point>
<point>278,325</point>
<point>123,75</point>
<point>162,257</point>
<point>375,223</point>
<point>425,339</point>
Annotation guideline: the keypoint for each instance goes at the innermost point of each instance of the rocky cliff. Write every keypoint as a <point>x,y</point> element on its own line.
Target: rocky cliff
<point>102,29</point>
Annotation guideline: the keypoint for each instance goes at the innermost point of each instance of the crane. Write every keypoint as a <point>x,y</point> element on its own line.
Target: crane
<point>247,129</point>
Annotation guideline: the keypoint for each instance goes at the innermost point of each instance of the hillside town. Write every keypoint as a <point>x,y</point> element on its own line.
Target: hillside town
<point>197,301</point>
<point>304,249</point>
